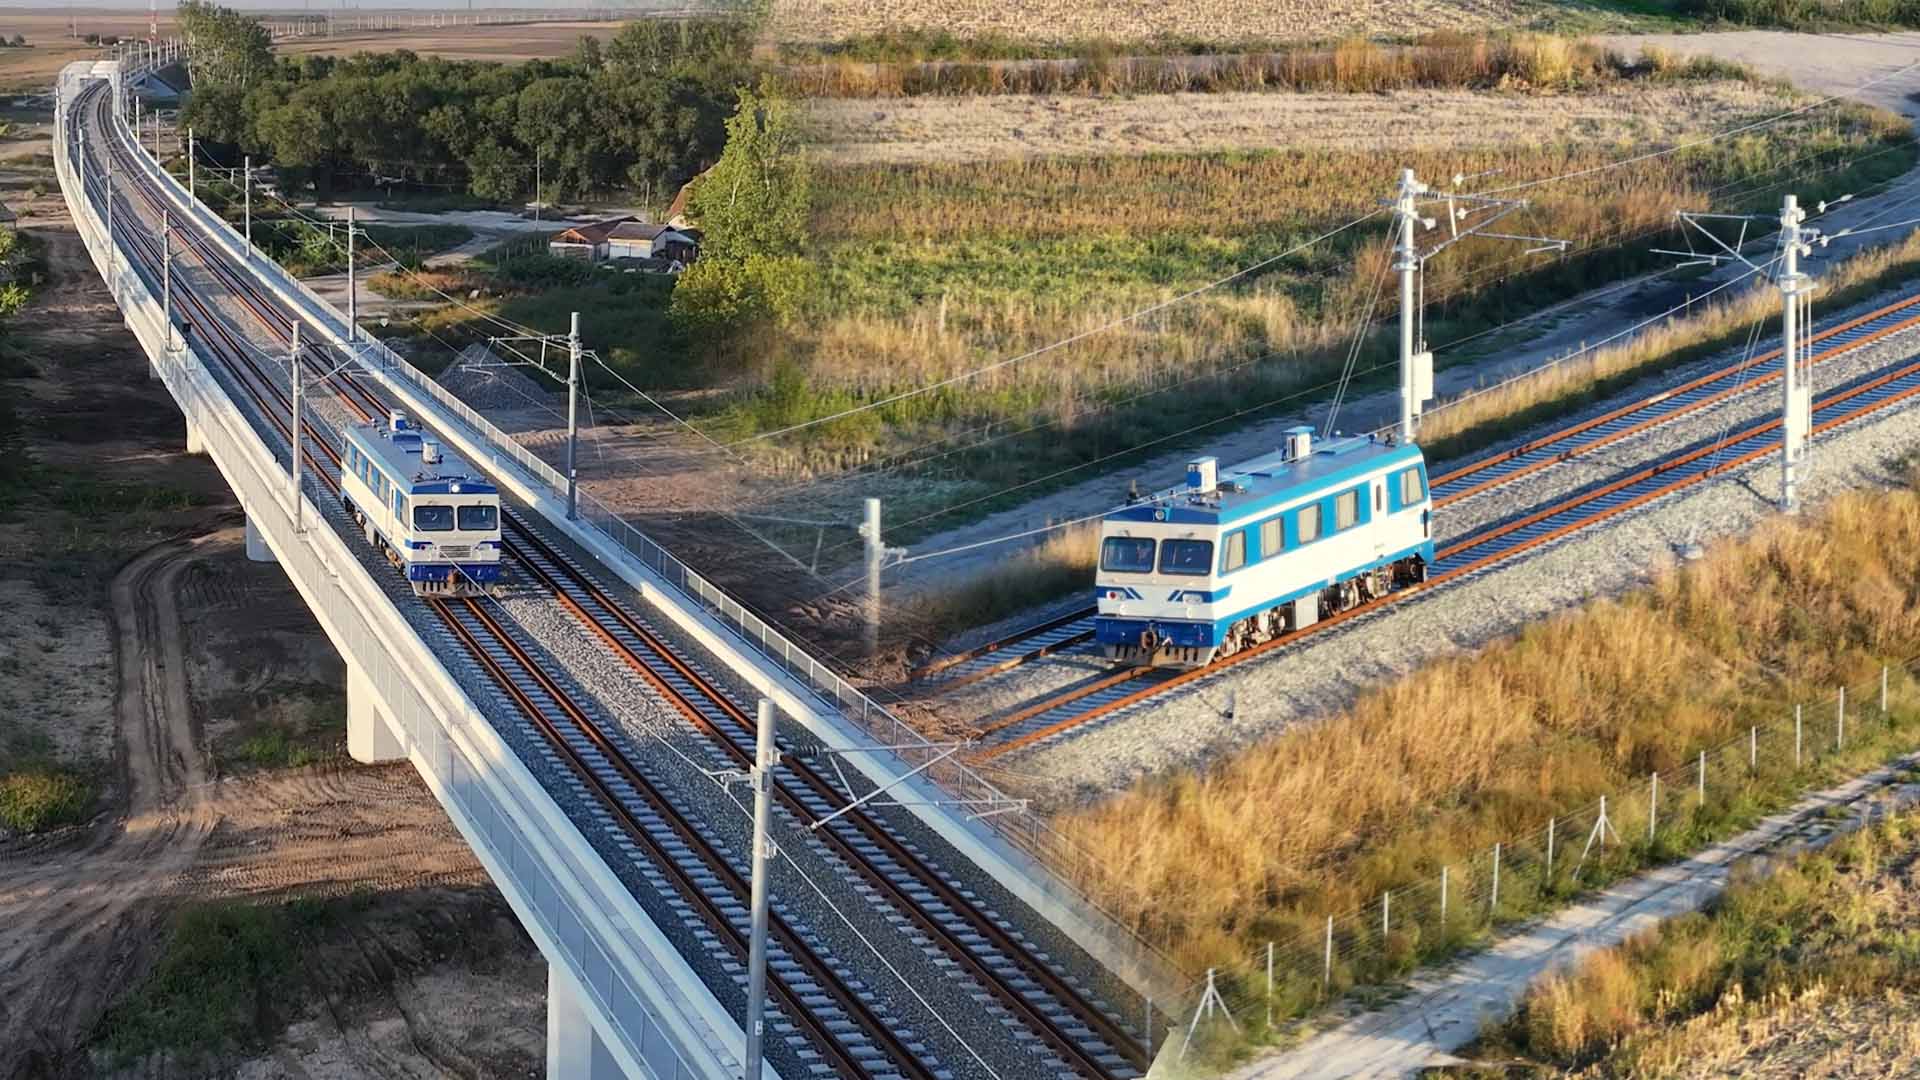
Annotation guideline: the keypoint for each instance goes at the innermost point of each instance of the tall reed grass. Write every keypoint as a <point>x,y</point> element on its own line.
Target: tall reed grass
<point>1475,749</point>
<point>1443,60</point>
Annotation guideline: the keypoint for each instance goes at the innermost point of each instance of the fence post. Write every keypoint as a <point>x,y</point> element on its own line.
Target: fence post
<point>1653,807</point>
<point>1549,849</point>
<point>1269,985</point>
<point>1883,691</point>
<point>1796,736</point>
<point>1443,899</point>
<point>1840,720</point>
<point>1703,778</point>
<point>1493,902</point>
<point>1386,909</point>
<point>1326,974</point>
<point>1753,748</point>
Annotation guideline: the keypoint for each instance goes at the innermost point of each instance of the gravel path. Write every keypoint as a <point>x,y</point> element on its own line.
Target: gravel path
<point>1259,698</point>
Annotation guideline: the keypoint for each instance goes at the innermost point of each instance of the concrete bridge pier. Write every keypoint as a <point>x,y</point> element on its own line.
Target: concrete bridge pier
<point>370,737</point>
<point>257,549</point>
<point>574,1049</point>
<point>195,444</point>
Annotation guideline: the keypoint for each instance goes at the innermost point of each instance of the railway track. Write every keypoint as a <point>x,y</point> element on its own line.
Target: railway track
<point>1103,696</point>
<point>1020,986</point>
<point>1066,632</point>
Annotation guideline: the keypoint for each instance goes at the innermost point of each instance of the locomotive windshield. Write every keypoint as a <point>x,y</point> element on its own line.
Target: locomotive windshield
<point>433,518</point>
<point>481,518</point>
<point>1127,555</point>
<point>1186,557</point>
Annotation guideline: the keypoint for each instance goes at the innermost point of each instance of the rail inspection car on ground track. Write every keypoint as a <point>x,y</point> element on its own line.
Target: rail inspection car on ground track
<point>1271,546</point>
<point>433,515</point>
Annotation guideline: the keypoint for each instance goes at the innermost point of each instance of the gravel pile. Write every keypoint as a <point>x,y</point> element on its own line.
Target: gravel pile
<point>1261,697</point>
<point>483,380</point>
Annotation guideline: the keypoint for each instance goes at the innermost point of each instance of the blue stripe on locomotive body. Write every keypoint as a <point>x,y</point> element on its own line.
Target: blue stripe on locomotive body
<point>1195,605</point>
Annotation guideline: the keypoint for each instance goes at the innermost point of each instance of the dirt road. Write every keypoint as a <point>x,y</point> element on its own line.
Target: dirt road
<point>92,905</point>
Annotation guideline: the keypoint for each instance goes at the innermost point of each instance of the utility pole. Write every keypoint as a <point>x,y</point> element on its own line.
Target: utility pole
<point>1406,261</point>
<point>166,273</point>
<point>353,294</point>
<point>246,202</point>
<point>1796,318</point>
<point>870,532</point>
<point>1416,361</point>
<point>293,474</point>
<point>1796,387</point>
<point>112,251</point>
<point>573,421</point>
<point>190,187</point>
<point>536,185</point>
<point>766,757</point>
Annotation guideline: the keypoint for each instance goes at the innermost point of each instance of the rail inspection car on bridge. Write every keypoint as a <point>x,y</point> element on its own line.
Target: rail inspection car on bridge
<point>1272,546</point>
<point>435,518</point>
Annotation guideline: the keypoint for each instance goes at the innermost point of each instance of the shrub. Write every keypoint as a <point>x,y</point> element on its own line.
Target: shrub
<point>42,798</point>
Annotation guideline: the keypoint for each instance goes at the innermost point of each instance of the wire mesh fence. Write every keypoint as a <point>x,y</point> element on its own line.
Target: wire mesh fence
<point>1659,817</point>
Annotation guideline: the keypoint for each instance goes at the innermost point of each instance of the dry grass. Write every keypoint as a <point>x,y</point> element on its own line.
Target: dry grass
<point>1807,971</point>
<point>973,129</point>
<point>1447,59</point>
<point>1209,20</point>
<point>935,269</point>
<point>1485,746</point>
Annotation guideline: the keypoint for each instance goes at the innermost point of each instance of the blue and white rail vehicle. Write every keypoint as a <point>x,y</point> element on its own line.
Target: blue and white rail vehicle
<point>1270,546</point>
<point>433,515</point>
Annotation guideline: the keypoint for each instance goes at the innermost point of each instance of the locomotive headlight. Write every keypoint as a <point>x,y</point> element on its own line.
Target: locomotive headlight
<point>1159,515</point>
<point>455,489</point>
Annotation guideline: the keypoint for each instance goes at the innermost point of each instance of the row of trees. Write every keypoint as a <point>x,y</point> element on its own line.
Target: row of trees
<point>645,111</point>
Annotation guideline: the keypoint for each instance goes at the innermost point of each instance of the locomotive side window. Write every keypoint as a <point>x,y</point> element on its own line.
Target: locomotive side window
<point>433,518</point>
<point>1379,497</point>
<point>1346,510</point>
<point>1307,525</point>
<point>1127,555</point>
<point>1271,542</point>
<point>1186,557</point>
<point>1233,555</point>
<point>480,518</point>
<point>1410,492</point>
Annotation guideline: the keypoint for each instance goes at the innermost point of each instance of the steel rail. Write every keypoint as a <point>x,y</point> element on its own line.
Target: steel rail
<point>259,387</point>
<point>1661,407</point>
<point>846,1062</point>
<point>738,746</point>
<point>1909,373</point>
<point>1495,470</point>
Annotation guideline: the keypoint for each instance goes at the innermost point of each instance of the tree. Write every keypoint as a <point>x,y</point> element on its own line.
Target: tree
<point>223,46</point>
<point>753,207</point>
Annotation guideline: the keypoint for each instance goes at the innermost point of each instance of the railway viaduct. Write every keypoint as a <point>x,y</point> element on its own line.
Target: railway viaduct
<point>623,1000</point>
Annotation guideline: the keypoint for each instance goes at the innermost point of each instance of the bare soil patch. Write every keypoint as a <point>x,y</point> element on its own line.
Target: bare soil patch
<point>950,129</point>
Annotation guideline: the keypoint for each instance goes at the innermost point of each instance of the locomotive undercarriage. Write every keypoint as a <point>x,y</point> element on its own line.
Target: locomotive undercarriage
<point>1262,627</point>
